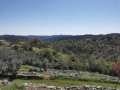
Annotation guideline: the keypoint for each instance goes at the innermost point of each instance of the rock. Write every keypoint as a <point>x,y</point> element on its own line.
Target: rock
<point>51,87</point>
<point>0,82</point>
<point>86,87</point>
<point>5,83</point>
<point>9,84</point>
<point>99,88</point>
<point>25,84</point>
<point>59,88</point>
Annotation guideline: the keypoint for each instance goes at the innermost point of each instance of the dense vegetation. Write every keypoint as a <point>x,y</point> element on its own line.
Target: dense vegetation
<point>96,55</point>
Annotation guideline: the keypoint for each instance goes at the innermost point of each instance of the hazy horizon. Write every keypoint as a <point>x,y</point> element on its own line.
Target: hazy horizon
<point>59,34</point>
<point>54,17</point>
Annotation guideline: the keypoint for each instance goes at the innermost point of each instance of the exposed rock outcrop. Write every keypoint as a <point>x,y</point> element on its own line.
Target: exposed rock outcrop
<point>31,86</point>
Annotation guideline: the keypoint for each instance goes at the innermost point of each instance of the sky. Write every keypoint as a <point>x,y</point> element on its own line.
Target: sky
<point>50,17</point>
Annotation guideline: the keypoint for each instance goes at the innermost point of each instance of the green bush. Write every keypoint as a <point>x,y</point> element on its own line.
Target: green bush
<point>14,87</point>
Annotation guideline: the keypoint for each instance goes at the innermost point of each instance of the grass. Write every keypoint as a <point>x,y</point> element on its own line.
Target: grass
<point>83,73</point>
<point>13,87</point>
<point>65,83</point>
<point>1,46</point>
<point>27,67</point>
<point>62,82</point>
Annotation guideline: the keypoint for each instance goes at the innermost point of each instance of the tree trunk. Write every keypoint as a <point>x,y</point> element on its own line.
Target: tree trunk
<point>45,69</point>
<point>3,73</point>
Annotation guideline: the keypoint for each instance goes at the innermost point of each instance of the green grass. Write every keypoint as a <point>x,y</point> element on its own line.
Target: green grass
<point>61,82</point>
<point>1,46</point>
<point>65,83</point>
<point>13,87</point>
<point>84,73</point>
<point>27,67</point>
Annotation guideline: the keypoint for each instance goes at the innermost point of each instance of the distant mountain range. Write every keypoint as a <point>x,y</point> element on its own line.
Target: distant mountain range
<point>13,37</point>
<point>55,38</point>
<point>47,38</point>
<point>80,37</point>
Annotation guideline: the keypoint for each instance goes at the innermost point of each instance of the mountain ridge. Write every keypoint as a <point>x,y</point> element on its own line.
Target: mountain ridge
<point>55,38</point>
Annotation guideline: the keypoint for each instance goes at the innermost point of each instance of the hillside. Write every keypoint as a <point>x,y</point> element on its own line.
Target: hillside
<point>47,38</point>
<point>13,37</point>
<point>94,55</point>
<point>107,48</point>
<point>79,37</point>
<point>55,38</point>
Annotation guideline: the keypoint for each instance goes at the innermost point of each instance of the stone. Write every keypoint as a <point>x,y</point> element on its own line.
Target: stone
<point>51,87</point>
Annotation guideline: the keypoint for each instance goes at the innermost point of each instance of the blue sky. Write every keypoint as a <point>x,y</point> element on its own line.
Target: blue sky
<point>48,17</point>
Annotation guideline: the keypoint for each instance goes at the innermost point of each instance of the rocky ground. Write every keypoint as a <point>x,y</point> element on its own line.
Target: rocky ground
<point>70,75</point>
<point>85,75</point>
<point>31,86</point>
<point>5,83</point>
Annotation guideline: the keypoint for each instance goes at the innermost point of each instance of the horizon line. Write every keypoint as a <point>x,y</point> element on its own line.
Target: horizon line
<point>56,34</point>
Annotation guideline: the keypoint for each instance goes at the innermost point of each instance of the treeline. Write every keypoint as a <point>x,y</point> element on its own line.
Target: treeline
<point>96,55</point>
<point>35,53</point>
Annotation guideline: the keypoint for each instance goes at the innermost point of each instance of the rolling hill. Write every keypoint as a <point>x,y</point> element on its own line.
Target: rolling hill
<point>55,38</point>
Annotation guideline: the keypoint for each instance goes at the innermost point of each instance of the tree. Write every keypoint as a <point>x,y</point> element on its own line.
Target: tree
<point>97,66</point>
<point>47,53</point>
<point>16,46</point>
<point>30,58</point>
<point>62,62</point>
<point>46,64</point>
<point>85,66</point>
<point>34,42</point>
<point>39,64</point>
<point>10,60</point>
<point>26,47</point>
<point>78,65</point>
<point>20,40</point>
<point>72,61</point>
<point>116,68</point>
<point>107,67</point>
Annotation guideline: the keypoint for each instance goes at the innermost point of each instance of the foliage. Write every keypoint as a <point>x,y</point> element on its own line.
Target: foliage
<point>10,60</point>
<point>116,68</point>
<point>14,87</point>
<point>95,55</point>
